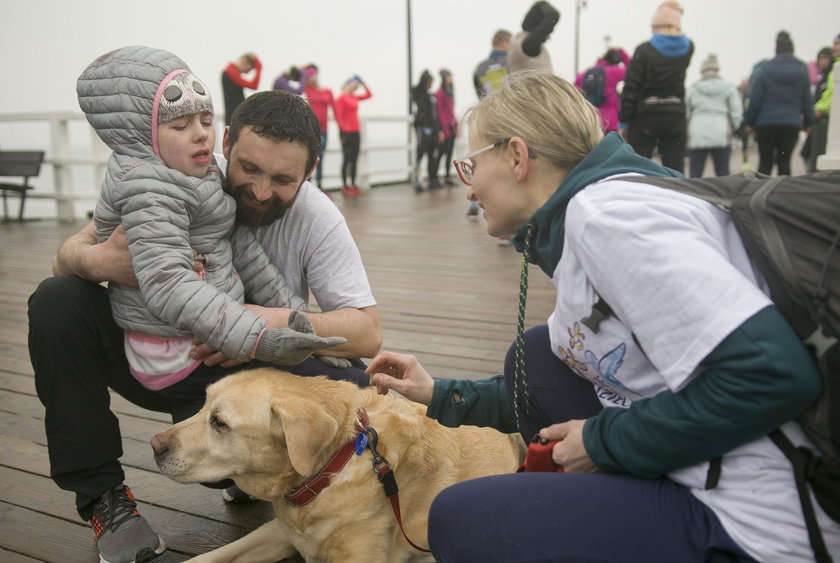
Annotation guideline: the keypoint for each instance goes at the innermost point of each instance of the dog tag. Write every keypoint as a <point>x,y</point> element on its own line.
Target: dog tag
<point>361,443</point>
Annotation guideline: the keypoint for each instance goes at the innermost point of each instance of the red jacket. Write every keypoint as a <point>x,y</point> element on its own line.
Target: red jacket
<point>346,110</point>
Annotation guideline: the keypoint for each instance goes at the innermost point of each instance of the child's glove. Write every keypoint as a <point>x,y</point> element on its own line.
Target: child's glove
<point>288,346</point>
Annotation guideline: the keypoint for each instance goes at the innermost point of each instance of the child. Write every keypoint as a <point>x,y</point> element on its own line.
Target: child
<point>346,109</point>
<point>163,186</point>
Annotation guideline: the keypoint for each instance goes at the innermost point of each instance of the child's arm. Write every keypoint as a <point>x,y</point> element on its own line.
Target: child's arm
<point>264,285</point>
<point>157,222</point>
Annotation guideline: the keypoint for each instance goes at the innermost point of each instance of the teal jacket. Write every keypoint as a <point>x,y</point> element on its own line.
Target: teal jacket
<point>758,378</point>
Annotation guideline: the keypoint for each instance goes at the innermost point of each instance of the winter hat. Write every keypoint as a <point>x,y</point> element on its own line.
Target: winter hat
<point>181,93</point>
<point>668,14</point>
<point>784,44</point>
<point>710,64</point>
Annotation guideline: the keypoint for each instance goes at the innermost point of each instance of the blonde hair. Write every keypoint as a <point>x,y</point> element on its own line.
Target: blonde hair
<point>547,112</point>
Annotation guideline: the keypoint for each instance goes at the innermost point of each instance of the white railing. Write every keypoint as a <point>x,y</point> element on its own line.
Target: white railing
<point>75,156</point>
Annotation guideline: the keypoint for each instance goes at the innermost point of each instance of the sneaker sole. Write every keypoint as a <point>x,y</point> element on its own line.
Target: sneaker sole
<point>144,555</point>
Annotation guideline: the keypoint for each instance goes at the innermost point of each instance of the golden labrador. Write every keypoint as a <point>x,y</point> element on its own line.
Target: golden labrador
<point>271,431</point>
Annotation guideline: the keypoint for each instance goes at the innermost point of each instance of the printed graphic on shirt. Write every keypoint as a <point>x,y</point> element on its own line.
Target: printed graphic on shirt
<point>603,372</point>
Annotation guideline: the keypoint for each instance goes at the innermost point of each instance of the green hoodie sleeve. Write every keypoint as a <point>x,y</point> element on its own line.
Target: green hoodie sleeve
<point>758,378</point>
<point>478,403</point>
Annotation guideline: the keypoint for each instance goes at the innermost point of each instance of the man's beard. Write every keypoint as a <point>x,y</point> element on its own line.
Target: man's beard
<point>249,216</point>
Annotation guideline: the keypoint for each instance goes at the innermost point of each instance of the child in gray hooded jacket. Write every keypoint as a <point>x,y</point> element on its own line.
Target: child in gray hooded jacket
<point>163,186</point>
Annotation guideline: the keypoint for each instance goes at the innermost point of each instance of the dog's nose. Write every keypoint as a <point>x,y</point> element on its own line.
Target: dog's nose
<point>159,446</point>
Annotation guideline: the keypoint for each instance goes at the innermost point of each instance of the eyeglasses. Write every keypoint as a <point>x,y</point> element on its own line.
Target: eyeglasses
<point>465,167</point>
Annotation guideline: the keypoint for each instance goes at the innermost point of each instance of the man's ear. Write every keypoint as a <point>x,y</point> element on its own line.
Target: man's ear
<point>226,142</point>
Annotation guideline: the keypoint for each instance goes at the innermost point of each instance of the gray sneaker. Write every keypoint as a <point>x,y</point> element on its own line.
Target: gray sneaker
<point>122,535</point>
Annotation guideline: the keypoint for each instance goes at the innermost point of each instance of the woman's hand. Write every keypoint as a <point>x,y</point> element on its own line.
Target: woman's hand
<point>402,373</point>
<point>569,452</point>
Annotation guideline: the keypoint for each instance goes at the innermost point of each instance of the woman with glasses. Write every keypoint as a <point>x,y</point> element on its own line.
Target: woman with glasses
<point>689,362</point>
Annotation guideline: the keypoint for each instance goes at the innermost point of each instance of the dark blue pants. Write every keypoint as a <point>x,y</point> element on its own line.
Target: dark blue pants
<point>77,354</point>
<point>697,161</point>
<point>554,517</point>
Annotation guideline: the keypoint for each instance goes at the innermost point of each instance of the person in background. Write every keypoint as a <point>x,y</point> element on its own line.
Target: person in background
<point>695,363</point>
<point>426,127</point>
<point>527,48</point>
<point>614,62</point>
<point>822,108</point>
<point>445,97</point>
<point>346,108</point>
<point>234,81</point>
<point>291,80</point>
<point>321,100</point>
<point>490,73</point>
<point>780,106</point>
<point>714,113</point>
<point>652,113</point>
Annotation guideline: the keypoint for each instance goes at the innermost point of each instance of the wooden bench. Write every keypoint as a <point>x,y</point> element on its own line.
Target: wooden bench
<point>23,164</point>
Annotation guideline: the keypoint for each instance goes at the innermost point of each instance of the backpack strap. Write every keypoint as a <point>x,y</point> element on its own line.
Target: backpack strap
<point>804,464</point>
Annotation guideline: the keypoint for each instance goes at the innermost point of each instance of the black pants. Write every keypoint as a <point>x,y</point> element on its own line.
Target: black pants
<point>350,143</point>
<point>775,146</point>
<point>666,130</point>
<point>444,154</point>
<point>426,145</point>
<point>77,354</point>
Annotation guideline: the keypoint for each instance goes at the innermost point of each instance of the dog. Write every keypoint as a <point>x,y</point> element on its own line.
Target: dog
<point>270,431</point>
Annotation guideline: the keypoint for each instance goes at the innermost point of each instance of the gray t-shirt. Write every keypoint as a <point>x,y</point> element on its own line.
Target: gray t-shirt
<point>314,250</point>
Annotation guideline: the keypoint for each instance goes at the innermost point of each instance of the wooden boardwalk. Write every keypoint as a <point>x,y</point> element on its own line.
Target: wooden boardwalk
<point>446,293</point>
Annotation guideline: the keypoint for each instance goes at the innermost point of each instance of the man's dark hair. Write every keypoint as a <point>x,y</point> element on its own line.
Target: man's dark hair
<point>280,116</point>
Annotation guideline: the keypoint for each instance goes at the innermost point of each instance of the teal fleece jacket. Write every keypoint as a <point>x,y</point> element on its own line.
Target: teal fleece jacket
<point>758,378</point>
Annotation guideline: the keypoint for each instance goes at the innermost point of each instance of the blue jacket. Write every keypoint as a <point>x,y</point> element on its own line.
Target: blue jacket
<point>780,93</point>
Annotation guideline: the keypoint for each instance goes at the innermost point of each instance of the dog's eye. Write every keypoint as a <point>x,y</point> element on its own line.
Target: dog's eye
<point>217,423</point>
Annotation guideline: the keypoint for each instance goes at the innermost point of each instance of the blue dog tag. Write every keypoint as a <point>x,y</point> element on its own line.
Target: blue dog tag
<point>361,443</point>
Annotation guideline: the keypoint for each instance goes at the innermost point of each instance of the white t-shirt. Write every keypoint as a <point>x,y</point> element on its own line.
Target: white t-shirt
<point>312,247</point>
<point>659,259</point>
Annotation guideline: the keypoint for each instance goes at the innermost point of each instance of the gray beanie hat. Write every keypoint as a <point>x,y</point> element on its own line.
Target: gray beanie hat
<point>126,93</point>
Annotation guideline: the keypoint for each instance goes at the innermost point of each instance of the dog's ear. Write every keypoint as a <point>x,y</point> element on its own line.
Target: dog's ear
<point>309,429</point>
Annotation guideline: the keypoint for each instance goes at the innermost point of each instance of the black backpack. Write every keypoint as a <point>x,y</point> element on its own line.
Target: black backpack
<point>790,226</point>
<point>593,85</point>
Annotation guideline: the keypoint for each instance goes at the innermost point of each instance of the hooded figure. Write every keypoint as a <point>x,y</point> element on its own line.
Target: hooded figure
<point>168,216</point>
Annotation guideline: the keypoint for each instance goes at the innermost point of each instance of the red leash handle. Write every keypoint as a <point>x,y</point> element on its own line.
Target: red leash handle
<point>538,457</point>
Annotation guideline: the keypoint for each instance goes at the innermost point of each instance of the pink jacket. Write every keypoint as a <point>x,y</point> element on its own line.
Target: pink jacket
<point>613,75</point>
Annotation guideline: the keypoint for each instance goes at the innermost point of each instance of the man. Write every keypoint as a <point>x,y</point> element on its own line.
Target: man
<point>234,81</point>
<point>490,73</point>
<point>271,148</point>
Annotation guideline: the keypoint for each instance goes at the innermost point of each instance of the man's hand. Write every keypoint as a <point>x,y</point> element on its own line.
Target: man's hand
<point>569,452</point>
<point>402,373</point>
<point>109,261</point>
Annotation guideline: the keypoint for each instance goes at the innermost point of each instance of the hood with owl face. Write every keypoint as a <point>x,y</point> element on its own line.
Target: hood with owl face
<point>127,93</point>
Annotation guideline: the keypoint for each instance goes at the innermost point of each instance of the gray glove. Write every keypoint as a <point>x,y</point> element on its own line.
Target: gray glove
<point>287,346</point>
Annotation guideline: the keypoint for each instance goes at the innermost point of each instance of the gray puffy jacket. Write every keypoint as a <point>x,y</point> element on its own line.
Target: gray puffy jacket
<point>168,215</point>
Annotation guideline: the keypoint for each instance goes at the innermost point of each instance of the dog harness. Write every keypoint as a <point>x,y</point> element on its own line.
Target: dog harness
<point>367,438</point>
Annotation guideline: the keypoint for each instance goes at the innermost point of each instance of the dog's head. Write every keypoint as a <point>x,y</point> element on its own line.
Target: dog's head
<point>260,423</point>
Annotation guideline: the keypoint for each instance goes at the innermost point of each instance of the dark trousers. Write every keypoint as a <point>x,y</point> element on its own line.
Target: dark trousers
<point>775,146</point>
<point>426,145</point>
<point>350,144</point>
<point>665,130</point>
<point>571,517</point>
<point>444,155</point>
<point>77,354</point>
<point>697,161</point>
<point>319,170</point>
